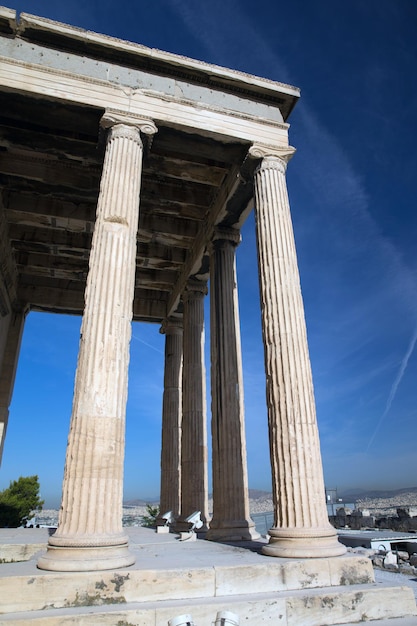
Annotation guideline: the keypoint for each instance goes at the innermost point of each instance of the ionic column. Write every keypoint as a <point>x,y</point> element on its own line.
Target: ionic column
<point>194,479</point>
<point>8,365</point>
<point>90,534</point>
<point>301,526</point>
<point>170,498</point>
<point>231,520</point>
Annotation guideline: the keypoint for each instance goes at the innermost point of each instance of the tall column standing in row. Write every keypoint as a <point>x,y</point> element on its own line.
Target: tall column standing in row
<point>231,520</point>
<point>90,534</point>
<point>301,526</point>
<point>8,365</point>
<point>194,479</point>
<point>170,498</point>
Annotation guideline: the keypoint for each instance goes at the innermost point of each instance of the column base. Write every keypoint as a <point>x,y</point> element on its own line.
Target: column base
<point>84,558</point>
<point>240,530</point>
<point>302,543</point>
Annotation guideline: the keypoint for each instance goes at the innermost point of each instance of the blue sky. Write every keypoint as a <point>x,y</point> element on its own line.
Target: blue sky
<point>353,194</point>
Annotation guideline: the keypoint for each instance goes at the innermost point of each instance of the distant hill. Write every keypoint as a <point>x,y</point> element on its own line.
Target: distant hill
<point>140,502</point>
<point>349,495</point>
<point>254,494</point>
<point>356,494</point>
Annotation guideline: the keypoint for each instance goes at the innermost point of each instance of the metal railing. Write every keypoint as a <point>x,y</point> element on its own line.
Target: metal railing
<point>263,521</point>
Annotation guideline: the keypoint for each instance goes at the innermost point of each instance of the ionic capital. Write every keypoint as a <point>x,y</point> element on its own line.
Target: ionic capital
<point>271,153</point>
<point>227,234</point>
<point>115,119</point>
<point>272,163</point>
<point>123,131</point>
<point>195,289</point>
<point>172,326</point>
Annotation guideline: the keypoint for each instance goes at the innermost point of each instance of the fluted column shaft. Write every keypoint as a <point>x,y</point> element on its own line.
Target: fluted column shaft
<point>8,365</point>
<point>170,498</point>
<point>301,526</point>
<point>91,509</point>
<point>194,478</point>
<point>231,520</point>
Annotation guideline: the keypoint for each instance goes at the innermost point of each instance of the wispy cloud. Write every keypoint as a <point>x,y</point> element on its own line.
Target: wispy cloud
<point>326,168</point>
<point>395,385</point>
<point>221,26</point>
<point>146,343</point>
<point>363,275</point>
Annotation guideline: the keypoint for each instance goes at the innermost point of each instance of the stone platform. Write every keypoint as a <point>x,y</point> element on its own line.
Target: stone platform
<point>171,578</point>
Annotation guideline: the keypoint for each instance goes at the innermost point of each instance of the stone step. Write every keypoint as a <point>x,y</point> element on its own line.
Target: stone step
<point>396,621</point>
<point>171,578</point>
<point>158,578</point>
<point>10,553</point>
<point>314,607</point>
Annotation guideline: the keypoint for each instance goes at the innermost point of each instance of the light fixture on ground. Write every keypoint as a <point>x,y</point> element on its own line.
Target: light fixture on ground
<point>181,620</point>
<point>167,519</point>
<point>227,618</point>
<point>223,618</point>
<point>194,520</point>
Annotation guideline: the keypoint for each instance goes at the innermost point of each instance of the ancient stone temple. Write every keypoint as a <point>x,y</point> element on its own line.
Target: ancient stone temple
<point>126,175</point>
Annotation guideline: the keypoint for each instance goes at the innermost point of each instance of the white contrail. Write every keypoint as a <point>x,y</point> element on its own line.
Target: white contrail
<point>147,344</point>
<point>395,386</point>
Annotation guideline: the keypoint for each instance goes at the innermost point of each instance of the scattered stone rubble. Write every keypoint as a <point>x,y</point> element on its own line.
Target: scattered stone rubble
<point>401,519</point>
<point>397,513</point>
<point>404,521</point>
<point>380,507</point>
<point>392,560</point>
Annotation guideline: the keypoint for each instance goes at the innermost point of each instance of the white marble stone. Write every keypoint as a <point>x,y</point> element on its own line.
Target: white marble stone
<point>231,519</point>
<point>194,470</point>
<point>12,330</point>
<point>301,526</point>
<point>90,534</point>
<point>170,494</point>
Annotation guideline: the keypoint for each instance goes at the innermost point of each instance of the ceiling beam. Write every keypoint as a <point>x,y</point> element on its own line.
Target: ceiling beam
<point>72,302</point>
<point>204,235</point>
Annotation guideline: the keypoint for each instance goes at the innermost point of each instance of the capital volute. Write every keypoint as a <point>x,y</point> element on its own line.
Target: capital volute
<point>270,154</point>
<point>120,122</point>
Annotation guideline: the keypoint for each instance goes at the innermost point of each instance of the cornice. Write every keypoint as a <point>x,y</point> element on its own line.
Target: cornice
<point>48,82</point>
<point>130,92</point>
<point>65,37</point>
